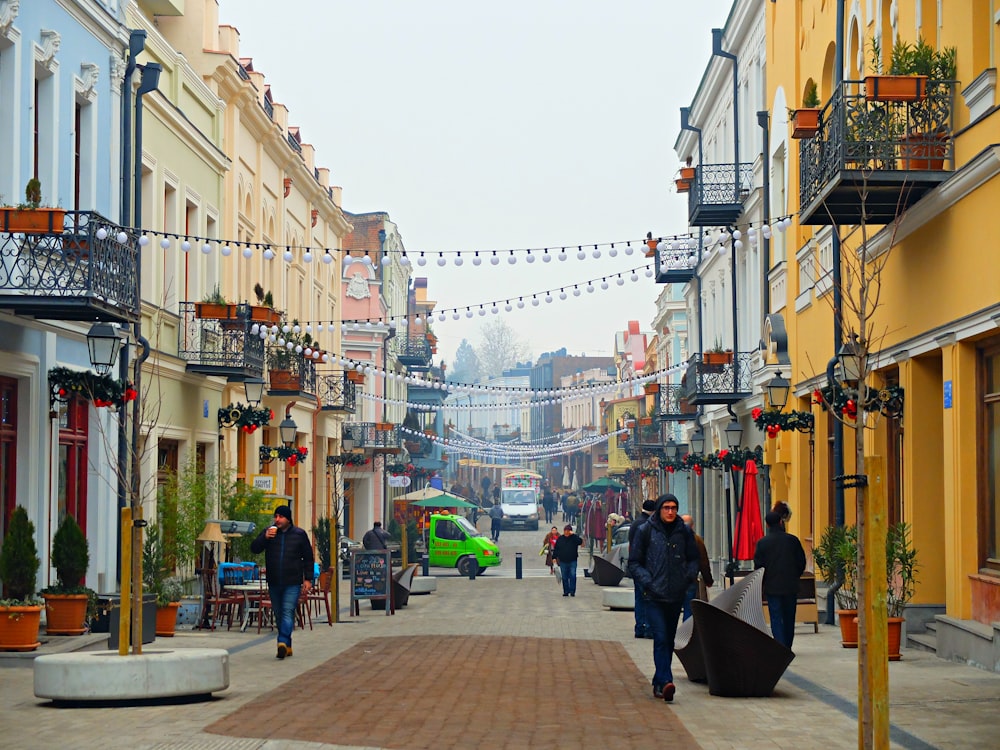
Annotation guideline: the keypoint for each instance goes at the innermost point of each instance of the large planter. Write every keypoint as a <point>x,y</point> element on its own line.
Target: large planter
<point>683,186</point>
<point>65,614</point>
<point>923,151</point>
<point>214,310</point>
<point>805,122</point>
<point>262,314</point>
<point>895,88</point>
<point>894,637</point>
<point>166,619</point>
<point>687,173</point>
<point>848,619</point>
<point>19,628</point>
<point>358,378</point>
<point>284,380</point>
<point>717,358</point>
<point>32,220</point>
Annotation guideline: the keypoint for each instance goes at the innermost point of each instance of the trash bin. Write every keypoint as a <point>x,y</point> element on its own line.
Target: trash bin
<point>108,618</point>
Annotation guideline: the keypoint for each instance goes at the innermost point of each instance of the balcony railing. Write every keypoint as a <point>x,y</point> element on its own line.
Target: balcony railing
<point>413,351</point>
<point>290,374</point>
<point>717,194</point>
<point>219,347</point>
<point>417,446</point>
<point>708,383</point>
<point>294,143</point>
<point>375,436</point>
<point>875,157</point>
<point>676,261</point>
<point>337,393</point>
<point>82,268</point>
<point>643,443</point>
<point>674,406</point>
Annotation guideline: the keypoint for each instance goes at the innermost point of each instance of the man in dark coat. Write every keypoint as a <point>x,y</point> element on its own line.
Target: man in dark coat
<point>289,559</point>
<point>565,553</point>
<point>781,556</point>
<point>376,538</point>
<point>663,559</point>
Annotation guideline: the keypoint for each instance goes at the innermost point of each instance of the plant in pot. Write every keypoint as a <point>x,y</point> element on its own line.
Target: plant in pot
<point>263,311</point>
<point>156,579</point>
<point>20,612</point>
<point>68,603</point>
<point>717,356</point>
<point>805,121</point>
<point>284,363</point>
<point>900,569</point>
<point>31,217</point>
<point>836,559</point>
<point>214,306</point>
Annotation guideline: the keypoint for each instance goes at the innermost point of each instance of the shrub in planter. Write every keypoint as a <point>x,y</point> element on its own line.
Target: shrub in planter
<point>68,603</point>
<point>20,613</point>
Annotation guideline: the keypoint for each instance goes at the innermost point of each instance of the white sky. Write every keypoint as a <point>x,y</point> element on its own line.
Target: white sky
<point>491,126</point>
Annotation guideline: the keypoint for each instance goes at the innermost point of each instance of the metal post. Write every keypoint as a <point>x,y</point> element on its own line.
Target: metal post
<point>518,566</point>
<point>425,564</point>
<point>473,570</point>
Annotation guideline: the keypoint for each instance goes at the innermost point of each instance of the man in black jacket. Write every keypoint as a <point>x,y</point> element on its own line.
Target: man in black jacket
<point>288,557</point>
<point>663,559</point>
<point>565,553</point>
<point>781,556</point>
<point>376,538</point>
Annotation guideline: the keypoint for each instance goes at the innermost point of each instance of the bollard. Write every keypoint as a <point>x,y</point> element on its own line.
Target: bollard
<point>472,570</point>
<point>518,563</point>
<point>425,563</point>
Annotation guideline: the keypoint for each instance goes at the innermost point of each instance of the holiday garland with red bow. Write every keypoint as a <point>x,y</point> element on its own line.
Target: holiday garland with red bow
<point>887,401</point>
<point>409,470</point>
<point>290,454</point>
<point>772,421</point>
<point>245,418</point>
<point>102,390</point>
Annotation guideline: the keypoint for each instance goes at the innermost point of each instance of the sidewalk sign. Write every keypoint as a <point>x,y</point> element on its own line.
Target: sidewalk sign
<point>371,578</point>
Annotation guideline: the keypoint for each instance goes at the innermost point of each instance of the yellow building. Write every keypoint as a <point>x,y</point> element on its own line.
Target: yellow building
<point>923,169</point>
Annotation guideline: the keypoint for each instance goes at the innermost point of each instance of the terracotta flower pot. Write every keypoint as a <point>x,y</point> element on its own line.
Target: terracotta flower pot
<point>895,88</point>
<point>687,173</point>
<point>848,619</point>
<point>65,614</point>
<point>894,637</point>
<point>32,220</point>
<point>19,628</point>
<point>805,122</point>
<point>214,310</point>
<point>166,619</point>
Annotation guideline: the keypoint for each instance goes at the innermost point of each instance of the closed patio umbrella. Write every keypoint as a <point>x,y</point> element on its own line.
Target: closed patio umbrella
<point>749,528</point>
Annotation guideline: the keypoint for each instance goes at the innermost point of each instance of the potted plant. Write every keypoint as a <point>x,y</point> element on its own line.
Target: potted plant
<point>214,306</point>
<point>263,311</point>
<point>836,559</point>
<point>911,66</point>
<point>925,138</point>
<point>900,569</point>
<point>284,365</point>
<point>717,356</point>
<point>20,612</point>
<point>156,579</point>
<point>805,121</point>
<point>30,217</point>
<point>68,601</point>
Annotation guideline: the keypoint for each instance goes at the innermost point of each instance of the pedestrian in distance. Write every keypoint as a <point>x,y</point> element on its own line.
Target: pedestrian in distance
<point>642,629</point>
<point>663,558</point>
<point>376,537</point>
<point>547,544</point>
<point>781,556</point>
<point>565,554</point>
<point>698,589</point>
<point>288,557</point>
<point>496,521</point>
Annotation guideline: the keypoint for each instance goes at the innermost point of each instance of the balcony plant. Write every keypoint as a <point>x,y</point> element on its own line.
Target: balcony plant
<point>215,306</point>
<point>900,569</point>
<point>911,66</point>
<point>31,217</point>
<point>717,356</point>
<point>20,612</point>
<point>805,121</point>
<point>68,601</point>
<point>263,311</point>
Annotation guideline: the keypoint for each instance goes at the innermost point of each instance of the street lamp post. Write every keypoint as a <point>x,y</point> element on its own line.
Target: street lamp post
<point>734,436</point>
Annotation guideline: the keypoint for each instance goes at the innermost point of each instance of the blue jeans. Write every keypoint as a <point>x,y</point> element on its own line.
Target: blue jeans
<point>641,624</point>
<point>284,600</point>
<point>568,570</point>
<point>690,594</point>
<point>782,611</point>
<point>661,618</point>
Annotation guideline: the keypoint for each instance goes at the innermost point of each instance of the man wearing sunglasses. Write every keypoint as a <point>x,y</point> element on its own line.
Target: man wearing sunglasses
<point>663,559</point>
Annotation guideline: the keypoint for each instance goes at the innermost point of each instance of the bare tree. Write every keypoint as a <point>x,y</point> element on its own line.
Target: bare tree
<point>500,348</point>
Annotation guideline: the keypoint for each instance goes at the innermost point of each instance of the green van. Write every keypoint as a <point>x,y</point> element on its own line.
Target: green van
<point>456,543</point>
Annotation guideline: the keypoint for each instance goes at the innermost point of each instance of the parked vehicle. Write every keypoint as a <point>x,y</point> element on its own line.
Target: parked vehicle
<point>520,493</point>
<point>619,546</point>
<point>453,542</point>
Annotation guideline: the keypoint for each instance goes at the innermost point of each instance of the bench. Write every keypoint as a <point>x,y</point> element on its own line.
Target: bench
<point>402,582</point>
<point>806,610</point>
<point>423,585</point>
<point>605,572</point>
<point>617,599</point>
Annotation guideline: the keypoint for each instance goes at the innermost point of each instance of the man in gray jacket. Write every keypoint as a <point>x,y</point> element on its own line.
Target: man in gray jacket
<point>663,559</point>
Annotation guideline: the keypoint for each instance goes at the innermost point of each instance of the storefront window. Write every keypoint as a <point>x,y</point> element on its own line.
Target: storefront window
<point>991,459</point>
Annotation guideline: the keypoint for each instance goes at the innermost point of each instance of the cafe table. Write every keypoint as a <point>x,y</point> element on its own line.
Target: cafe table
<point>254,587</point>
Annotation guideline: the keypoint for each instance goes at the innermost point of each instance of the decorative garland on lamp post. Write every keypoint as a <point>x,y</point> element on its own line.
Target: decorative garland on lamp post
<point>886,401</point>
<point>290,454</point>
<point>245,418</point>
<point>101,390</point>
<point>772,421</point>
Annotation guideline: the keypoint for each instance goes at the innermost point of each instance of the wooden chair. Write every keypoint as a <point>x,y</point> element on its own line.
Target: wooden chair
<point>319,596</point>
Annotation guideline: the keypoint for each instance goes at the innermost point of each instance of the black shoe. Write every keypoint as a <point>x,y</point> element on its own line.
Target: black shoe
<point>668,692</point>
<point>565,594</point>
<point>573,594</point>
<point>282,650</point>
<point>658,691</point>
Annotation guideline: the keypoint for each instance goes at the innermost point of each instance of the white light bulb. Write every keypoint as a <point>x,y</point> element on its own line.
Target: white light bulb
<point>421,260</point>
<point>122,238</point>
<point>494,260</point>
<point>143,241</point>
<point>580,255</point>
<point>327,258</point>
<point>164,243</point>
<point>226,251</point>
<point>441,260</point>
<point>562,255</point>
<point>476,260</point>
<point>247,253</point>
<point>185,246</point>
<point>458,260</point>
<point>269,254</point>
<point>511,259</point>
<point>307,257</point>
<point>206,248</point>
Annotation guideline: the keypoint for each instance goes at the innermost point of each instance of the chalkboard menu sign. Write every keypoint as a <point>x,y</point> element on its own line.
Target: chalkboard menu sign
<point>371,577</point>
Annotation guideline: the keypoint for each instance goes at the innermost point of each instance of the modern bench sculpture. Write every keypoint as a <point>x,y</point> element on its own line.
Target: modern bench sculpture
<point>605,572</point>
<point>402,582</point>
<point>729,647</point>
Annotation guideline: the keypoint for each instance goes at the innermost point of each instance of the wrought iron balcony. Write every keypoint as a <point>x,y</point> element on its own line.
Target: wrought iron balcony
<point>336,392</point>
<point>875,158</point>
<point>82,267</point>
<point>423,394</point>
<point>505,433</point>
<point>674,405</point>
<point>413,351</point>
<point>219,347</point>
<point>717,194</point>
<point>376,437</point>
<point>290,374</point>
<point>643,443</point>
<point>417,446</point>
<point>708,382</point>
<point>676,261</point>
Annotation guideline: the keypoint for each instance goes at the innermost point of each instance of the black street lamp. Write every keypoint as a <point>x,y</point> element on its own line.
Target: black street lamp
<point>103,344</point>
<point>698,442</point>
<point>254,389</point>
<point>670,449</point>
<point>288,430</point>
<point>734,435</point>
<point>849,361</point>
<point>778,389</point>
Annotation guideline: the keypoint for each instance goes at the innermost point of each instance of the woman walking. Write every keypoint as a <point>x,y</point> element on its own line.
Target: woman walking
<point>547,544</point>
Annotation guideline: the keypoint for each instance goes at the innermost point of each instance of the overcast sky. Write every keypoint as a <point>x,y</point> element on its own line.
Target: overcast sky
<point>492,126</point>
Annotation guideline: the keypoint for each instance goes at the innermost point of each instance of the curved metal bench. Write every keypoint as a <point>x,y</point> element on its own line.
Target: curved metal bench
<point>605,572</point>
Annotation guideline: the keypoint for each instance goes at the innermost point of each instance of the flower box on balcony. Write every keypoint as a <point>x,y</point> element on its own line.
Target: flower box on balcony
<point>263,314</point>
<point>886,88</point>
<point>687,173</point>
<point>717,358</point>
<point>923,151</point>
<point>32,220</point>
<point>645,421</point>
<point>284,380</point>
<point>384,426</point>
<point>355,377</point>
<point>683,186</point>
<point>214,310</point>
<point>805,122</point>
<point>651,388</point>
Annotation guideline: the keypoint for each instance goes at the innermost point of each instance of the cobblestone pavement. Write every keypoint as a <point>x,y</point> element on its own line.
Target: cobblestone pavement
<point>559,667</point>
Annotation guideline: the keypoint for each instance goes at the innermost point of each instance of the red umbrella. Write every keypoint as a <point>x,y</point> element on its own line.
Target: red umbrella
<point>749,528</point>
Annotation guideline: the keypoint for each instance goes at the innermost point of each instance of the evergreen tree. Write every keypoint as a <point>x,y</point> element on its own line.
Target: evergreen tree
<point>467,368</point>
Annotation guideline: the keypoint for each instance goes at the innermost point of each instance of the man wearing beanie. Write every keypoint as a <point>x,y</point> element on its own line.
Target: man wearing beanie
<point>781,556</point>
<point>663,558</point>
<point>288,557</point>
<point>642,629</point>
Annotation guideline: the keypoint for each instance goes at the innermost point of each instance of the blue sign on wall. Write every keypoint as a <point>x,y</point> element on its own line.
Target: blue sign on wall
<point>204,408</point>
<point>947,394</point>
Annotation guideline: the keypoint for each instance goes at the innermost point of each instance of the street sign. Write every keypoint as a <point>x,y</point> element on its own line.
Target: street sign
<point>399,480</point>
<point>264,482</point>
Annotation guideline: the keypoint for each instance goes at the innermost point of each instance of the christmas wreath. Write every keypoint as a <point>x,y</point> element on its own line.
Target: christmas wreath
<point>348,459</point>
<point>409,470</point>
<point>102,390</point>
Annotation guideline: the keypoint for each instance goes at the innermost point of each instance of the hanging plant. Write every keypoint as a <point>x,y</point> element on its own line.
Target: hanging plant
<point>245,418</point>
<point>772,422</point>
<point>290,455</point>
<point>102,390</point>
